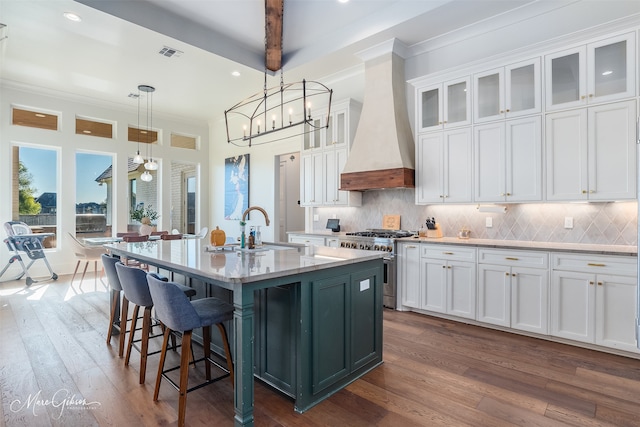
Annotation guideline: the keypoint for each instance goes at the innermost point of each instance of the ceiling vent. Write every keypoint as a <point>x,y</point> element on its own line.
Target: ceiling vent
<point>170,52</point>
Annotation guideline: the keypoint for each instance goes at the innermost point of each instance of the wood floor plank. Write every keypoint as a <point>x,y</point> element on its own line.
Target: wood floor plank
<point>436,372</point>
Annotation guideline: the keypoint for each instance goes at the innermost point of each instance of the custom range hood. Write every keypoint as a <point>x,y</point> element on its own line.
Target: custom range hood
<point>382,153</point>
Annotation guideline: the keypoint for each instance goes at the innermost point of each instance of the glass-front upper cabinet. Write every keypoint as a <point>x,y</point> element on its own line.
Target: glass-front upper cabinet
<point>445,105</point>
<point>312,137</point>
<point>337,129</point>
<point>507,92</point>
<point>598,72</point>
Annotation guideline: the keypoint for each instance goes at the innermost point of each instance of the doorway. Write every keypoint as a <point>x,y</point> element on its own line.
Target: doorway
<point>290,213</point>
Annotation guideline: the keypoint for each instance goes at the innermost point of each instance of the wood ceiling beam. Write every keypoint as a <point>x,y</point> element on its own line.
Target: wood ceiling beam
<point>273,29</point>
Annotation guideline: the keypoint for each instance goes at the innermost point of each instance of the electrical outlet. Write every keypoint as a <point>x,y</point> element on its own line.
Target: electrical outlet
<point>316,217</point>
<point>488,222</point>
<point>568,222</point>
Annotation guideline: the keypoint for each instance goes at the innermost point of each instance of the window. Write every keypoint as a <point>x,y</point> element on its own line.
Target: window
<point>183,197</point>
<point>183,141</point>
<point>35,184</point>
<point>141,193</point>
<point>94,181</point>
<point>34,119</point>
<point>89,127</point>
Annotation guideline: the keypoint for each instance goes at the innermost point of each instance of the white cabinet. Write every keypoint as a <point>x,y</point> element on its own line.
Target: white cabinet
<point>444,167</point>
<point>593,299</point>
<point>449,280</point>
<point>332,242</point>
<point>513,289</point>
<point>333,163</point>
<point>306,239</point>
<point>311,174</point>
<point>597,72</point>
<point>591,153</point>
<point>324,155</point>
<point>508,161</point>
<point>408,274</point>
<point>507,92</point>
<point>444,105</point>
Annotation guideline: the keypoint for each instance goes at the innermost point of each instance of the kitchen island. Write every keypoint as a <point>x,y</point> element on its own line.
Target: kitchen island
<point>307,319</point>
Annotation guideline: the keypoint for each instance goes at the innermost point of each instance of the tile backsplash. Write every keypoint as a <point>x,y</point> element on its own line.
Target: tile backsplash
<point>593,223</point>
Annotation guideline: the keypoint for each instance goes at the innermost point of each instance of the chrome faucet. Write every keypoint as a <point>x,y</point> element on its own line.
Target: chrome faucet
<point>256,208</point>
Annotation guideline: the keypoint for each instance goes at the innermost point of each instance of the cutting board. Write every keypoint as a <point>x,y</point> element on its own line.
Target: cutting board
<point>391,222</point>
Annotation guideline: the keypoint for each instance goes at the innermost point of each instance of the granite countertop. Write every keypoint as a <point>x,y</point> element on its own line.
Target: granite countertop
<point>527,245</point>
<point>233,266</point>
<point>509,244</point>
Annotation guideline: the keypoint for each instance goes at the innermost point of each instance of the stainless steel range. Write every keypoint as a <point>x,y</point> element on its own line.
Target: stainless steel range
<point>379,240</point>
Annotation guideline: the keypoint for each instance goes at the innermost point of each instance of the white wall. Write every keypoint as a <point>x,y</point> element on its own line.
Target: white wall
<point>67,143</point>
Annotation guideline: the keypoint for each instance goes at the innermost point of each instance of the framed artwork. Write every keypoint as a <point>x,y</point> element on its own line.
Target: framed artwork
<point>236,186</point>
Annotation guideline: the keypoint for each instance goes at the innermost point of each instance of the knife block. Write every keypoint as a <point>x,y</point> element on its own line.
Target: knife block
<point>434,234</point>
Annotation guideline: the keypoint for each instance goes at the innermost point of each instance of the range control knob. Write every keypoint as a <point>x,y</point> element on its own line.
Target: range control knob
<point>376,247</point>
<point>367,247</point>
<point>390,248</point>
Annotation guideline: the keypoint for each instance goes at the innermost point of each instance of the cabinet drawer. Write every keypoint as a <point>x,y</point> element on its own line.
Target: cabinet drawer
<point>448,252</point>
<point>621,265</point>
<point>516,258</point>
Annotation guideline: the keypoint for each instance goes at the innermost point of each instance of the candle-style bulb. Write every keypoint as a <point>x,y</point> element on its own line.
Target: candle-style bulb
<point>290,113</point>
<point>244,131</point>
<point>258,126</point>
<point>309,110</point>
<point>273,121</point>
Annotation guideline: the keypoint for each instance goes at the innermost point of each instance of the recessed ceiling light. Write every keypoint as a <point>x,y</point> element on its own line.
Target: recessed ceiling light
<point>72,17</point>
<point>343,1</point>
<point>606,73</point>
<point>235,73</point>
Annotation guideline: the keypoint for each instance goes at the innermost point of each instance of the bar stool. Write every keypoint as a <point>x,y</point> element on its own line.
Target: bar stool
<point>177,313</point>
<point>136,290</point>
<point>109,264</point>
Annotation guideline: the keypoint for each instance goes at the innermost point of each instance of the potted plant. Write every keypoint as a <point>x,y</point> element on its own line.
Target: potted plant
<point>145,216</point>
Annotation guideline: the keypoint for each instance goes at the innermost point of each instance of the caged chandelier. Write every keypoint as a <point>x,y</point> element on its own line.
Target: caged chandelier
<point>263,117</point>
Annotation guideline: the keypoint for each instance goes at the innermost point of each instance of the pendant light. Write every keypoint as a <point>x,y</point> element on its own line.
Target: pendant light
<point>138,159</point>
<point>150,165</point>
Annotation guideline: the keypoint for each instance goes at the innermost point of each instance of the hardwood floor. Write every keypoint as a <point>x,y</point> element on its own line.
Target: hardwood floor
<point>436,373</point>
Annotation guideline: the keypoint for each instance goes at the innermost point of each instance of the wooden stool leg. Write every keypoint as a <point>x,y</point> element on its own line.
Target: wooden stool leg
<point>112,316</point>
<point>206,343</point>
<point>227,350</point>
<point>132,332</point>
<point>124,313</point>
<point>163,355</point>
<point>146,329</point>
<point>184,377</point>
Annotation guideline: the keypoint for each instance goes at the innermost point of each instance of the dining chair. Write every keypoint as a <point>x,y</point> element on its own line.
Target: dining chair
<point>135,238</point>
<point>178,314</point>
<point>87,254</point>
<point>203,232</point>
<point>136,290</point>
<point>171,237</point>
